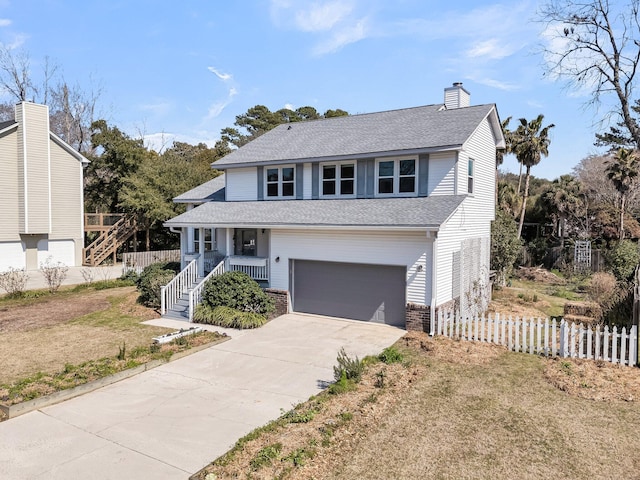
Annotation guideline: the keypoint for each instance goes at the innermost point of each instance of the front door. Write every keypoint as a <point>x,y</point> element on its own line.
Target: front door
<point>246,241</point>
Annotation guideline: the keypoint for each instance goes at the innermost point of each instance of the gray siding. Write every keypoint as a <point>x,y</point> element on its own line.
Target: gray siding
<point>315,181</point>
<point>423,175</point>
<point>299,181</point>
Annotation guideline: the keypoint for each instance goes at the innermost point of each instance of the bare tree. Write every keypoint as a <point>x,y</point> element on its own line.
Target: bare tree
<point>15,77</point>
<point>594,46</point>
<point>73,111</point>
<point>72,108</point>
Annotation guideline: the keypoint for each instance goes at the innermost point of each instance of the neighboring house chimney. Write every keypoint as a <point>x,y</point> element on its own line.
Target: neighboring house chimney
<point>34,170</point>
<point>456,96</point>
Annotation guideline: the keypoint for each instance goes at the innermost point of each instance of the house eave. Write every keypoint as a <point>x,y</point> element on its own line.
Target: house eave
<point>9,128</point>
<point>290,226</point>
<point>338,158</point>
<point>68,148</point>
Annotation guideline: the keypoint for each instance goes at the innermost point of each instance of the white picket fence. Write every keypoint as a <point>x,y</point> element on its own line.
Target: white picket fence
<point>544,337</point>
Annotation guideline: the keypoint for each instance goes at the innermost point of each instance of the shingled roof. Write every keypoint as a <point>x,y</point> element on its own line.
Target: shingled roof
<point>211,191</point>
<point>420,212</point>
<point>409,130</point>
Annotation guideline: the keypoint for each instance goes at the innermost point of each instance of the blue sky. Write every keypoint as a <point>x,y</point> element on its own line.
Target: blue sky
<point>185,69</point>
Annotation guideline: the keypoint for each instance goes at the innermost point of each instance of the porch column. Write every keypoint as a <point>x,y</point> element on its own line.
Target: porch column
<point>184,246</point>
<point>229,243</point>
<point>189,234</point>
<point>201,251</point>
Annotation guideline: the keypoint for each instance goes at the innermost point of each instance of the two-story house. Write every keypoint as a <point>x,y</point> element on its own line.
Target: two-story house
<point>381,217</point>
<point>41,193</point>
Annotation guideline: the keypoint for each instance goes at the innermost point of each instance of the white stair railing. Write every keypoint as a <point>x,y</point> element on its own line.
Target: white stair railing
<point>172,291</point>
<point>195,295</point>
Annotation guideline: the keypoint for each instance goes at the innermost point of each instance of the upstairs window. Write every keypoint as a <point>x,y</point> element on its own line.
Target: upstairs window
<point>280,182</point>
<point>338,179</point>
<point>396,176</point>
<point>470,176</point>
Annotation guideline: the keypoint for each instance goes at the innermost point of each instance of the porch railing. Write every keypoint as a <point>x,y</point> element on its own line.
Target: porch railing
<point>195,295</point>
<point>256,267</point>
<point>178,286</point>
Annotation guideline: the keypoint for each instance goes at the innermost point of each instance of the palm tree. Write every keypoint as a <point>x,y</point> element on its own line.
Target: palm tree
<point>622,170</point>
<point>504,151</point>
<point>529,143</point>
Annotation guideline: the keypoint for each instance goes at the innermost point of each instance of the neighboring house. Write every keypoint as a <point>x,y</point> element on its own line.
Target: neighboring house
<point>380,217</point>
<point>41,193</point>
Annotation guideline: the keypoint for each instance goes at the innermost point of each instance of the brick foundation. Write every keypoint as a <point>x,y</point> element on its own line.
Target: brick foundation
<point>281,301</point>
<point>418,317</point>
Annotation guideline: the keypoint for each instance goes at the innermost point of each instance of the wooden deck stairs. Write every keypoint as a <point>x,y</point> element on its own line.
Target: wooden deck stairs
<point>110,239</point>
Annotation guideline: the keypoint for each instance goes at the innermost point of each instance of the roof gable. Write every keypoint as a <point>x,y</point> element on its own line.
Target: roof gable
<point>409,130</point>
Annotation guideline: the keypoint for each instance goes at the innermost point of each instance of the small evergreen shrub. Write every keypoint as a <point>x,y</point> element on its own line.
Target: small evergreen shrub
<point>152,279</point>
<point>239,291</point>
<point>390,355</point>
<point>228,317</point>
<point>349,368</point>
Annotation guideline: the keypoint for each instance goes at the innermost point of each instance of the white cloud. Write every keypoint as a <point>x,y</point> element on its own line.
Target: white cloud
<point>222,76</point>
<point>18,41</point>
<point>216,108</point>
<point>322,16</point>
<point>158,108</point>
<point>500,85</point>
<point>343,37</point>
<point>5,22</point>
<point>289,106</point>
<point>162,140</point>
<point>334,23</point>
<point>492,48</point>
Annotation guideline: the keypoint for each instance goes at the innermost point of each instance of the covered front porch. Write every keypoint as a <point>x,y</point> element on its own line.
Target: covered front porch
<point>242,249</point>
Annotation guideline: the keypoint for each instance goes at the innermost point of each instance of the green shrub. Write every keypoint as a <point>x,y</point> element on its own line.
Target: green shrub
<point>623,258</point>
<point>390,355</point>
<point>228,317</point>
<point>343,385</point>
<point>152,279</point>
<point>237,290</point>
<point>266,456</point>
<point>349,368</point>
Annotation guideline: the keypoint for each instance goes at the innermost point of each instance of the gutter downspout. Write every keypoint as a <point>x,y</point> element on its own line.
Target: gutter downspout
<point>434,270</point>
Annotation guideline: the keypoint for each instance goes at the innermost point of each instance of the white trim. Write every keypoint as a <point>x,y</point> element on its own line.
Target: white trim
<point>49,177</point>
<point>396,177</point>
<point>338,179</point>
<point>24,159</point>
<point>289,226</point>
<point>471,176</point>
<point>280,182</point>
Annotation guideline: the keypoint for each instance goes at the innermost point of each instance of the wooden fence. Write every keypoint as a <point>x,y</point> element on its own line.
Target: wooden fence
<point>137,261</point>
<point>545,337</point>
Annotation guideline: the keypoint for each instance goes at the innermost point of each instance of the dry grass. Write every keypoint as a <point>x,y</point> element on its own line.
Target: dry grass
<point>462,410</point>
<point>44,334</point>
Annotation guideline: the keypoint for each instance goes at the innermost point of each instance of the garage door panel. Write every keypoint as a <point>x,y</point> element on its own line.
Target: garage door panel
<point>358,291</point>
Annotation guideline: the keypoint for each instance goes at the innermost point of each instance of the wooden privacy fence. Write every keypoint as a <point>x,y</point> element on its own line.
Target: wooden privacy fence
<point>544,337</point>
<point>137,261</point>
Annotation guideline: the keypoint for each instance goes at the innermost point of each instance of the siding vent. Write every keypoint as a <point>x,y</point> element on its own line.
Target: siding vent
<point>456,96</point>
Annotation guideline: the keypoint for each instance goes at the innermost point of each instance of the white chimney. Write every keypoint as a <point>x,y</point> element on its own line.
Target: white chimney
<point>456,96</point>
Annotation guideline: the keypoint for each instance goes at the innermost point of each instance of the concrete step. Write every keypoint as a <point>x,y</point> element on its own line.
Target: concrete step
<point>174,315</point>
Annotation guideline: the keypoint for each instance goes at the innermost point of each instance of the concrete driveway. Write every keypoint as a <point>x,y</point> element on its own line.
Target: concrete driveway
<point>169,422</point>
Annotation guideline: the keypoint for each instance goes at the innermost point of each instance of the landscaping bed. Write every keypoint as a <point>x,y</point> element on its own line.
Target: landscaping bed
<point>72,376</point>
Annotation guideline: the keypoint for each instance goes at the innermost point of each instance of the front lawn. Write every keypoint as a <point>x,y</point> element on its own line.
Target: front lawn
<point>455,410</point>
<point>75,325</point>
